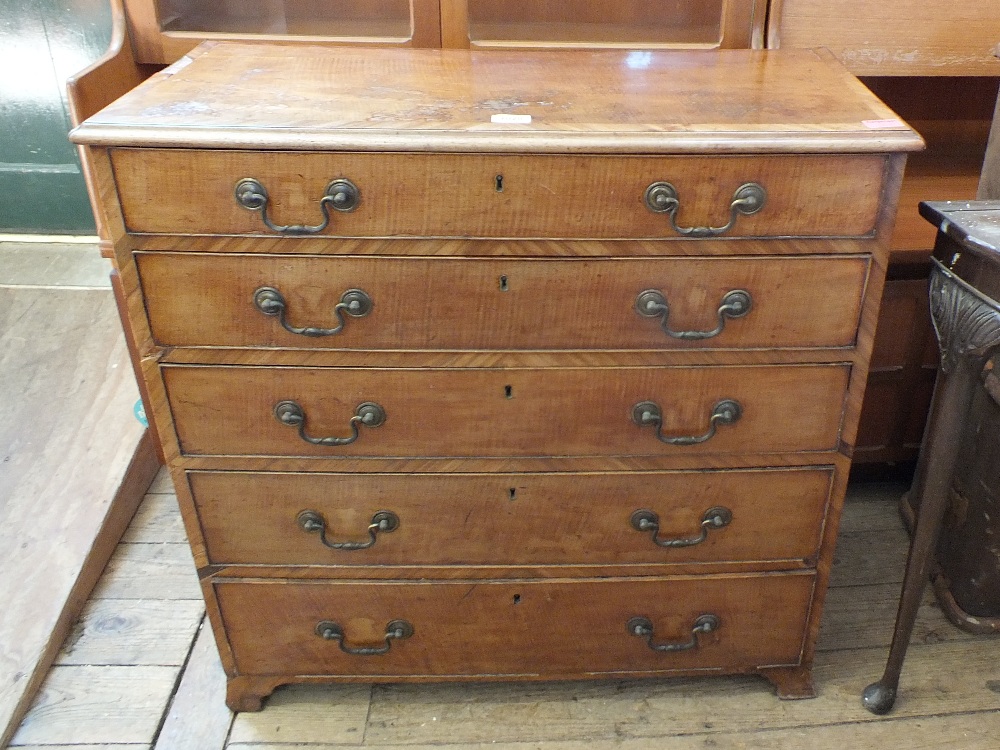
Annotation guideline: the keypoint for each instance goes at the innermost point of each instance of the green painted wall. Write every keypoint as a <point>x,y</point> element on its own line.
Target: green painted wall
<point>42,43</point>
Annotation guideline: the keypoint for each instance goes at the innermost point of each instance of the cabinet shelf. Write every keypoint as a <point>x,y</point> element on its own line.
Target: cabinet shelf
<point>591,34</point>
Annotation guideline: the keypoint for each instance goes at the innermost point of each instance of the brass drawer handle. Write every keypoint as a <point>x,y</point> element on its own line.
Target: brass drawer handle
<point>353,302</point>
<point>662,198</point>
<point>395,631</point>
<point>342,195</point>
<point>714,518</point>
<point>367,414</point>
<point>312,521</point>
<point>643,628</point>
<point>646,413</point>
<point>653,304</point>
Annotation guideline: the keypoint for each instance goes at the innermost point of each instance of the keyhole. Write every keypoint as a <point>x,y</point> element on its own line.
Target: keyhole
<point>517,598</point>
<point>499,183</point>
<point>512,492</point>
<point>508,391</point>
<point>503,284</point>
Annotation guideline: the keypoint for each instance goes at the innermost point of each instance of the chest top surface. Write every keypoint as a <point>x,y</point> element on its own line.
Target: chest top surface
<point>245,96</point>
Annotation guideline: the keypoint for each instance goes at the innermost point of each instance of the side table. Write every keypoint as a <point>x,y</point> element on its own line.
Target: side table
<point>964,289</point>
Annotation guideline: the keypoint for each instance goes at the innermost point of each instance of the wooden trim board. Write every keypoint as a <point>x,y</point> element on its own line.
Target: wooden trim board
<point>75,464</point>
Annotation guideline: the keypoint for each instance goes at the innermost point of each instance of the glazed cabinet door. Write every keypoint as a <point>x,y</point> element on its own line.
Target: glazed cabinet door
<point>691,24</point>
<point>164,30</point>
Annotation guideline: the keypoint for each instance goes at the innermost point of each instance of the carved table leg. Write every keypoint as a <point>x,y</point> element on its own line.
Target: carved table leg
<point>967,326</point>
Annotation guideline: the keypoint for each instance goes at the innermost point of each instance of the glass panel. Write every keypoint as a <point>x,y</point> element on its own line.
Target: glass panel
<point>594,22</point>
<point>382,19</point>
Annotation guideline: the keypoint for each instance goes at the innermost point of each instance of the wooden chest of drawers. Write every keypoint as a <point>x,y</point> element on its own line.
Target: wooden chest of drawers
<point>504,365</point>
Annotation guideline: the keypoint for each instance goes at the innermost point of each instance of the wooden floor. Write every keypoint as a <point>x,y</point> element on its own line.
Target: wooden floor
<point>71,468</point>
<point>140,671</point>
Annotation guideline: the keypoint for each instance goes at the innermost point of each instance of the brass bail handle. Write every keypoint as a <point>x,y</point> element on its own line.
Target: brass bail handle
<point>642,627</point>
<point>396,630</point>
<point>340,195</point>
<point>312,521</point>
<point>652,303</point>
<point>368,414</point>
<point>354,302</point>
<point>714,518</point>
<point>663,198</point>
<point>648,413</point>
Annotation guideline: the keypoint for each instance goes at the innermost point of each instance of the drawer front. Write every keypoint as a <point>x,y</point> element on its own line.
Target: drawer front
<point>561,628</point>
<point>495,519</point>
<point>497,412</point>
<point>471,195</point>
<point>424,303</point>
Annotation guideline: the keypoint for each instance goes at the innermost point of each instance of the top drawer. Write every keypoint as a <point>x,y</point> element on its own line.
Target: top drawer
<point>486,195</point>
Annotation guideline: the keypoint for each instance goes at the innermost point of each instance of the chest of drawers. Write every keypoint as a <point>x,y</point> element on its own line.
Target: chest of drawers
<point>503,365</point>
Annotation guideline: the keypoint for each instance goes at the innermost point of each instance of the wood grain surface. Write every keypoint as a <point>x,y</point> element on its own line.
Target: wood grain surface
<point>893,37</point>
<point>468,413</point>
<point>503,519</point>
<point>577,627</point>
<point>444,100</point>
<point>448,195</point>
<point>207,300</point>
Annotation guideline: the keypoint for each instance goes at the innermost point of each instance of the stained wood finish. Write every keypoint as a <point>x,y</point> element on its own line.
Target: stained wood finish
<point>432,101</point>
<point>895,37</point>
<point>466,628</point>
<point>559,412</point>
<point>415,133</point>
<point>561,196</point>
<point>511,519</point>
<point>205,300</point>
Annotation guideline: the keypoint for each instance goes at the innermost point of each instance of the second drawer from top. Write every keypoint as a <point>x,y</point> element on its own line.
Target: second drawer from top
<point>328,302</point>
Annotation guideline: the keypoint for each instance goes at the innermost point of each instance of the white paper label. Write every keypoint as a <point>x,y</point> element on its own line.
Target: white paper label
<point>511,119</point>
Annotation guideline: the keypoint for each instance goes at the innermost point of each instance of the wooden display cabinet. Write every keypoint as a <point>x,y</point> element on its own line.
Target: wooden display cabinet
<point>939,72</point>
<point>163,30</point>
<point>893,37</point>
<point>709,24</point>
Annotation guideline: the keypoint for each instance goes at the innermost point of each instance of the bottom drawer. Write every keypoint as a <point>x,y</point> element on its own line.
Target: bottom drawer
<point>559,628</point>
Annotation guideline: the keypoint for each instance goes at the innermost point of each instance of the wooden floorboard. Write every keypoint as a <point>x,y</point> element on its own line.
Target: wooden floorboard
<point>74,464</point>
<point>157,521</point>
<point>150,571</point>
<point>120,632</point>
<point>162,485</point>
<point>197,719</point>
<point>98,704</point>
<point>975,731</point>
